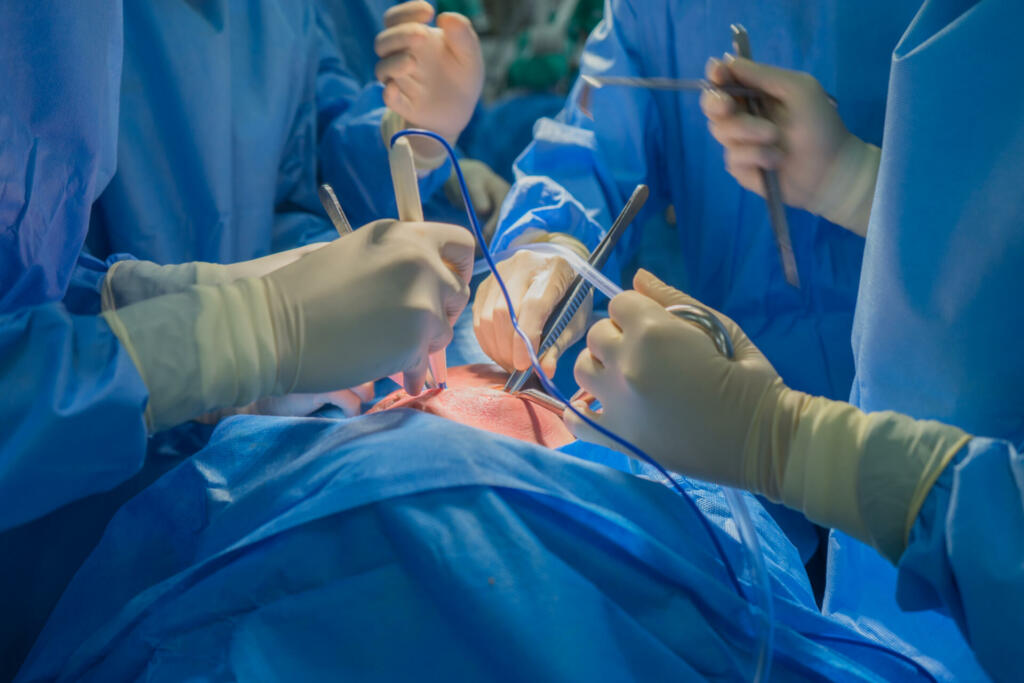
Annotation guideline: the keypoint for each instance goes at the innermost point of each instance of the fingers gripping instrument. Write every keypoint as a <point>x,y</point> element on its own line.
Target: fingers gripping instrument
<point>579,289</point>
<point>772,189</point>
<point>407,196</point>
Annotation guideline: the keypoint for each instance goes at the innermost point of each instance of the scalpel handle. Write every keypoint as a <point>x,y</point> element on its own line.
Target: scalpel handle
<point>772,188</point>
<point>407,196</point>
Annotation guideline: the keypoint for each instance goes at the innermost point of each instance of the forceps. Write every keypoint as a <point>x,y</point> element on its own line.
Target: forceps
<point>580,288</point>
<point>660,83</point>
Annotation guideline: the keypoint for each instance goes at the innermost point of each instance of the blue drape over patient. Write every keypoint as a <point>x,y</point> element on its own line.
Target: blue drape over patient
<point>401,545</point>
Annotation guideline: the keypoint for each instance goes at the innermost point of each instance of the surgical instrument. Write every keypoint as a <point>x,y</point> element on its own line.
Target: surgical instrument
<point>407,196</point>
<point>579,289</point>
<point>678,84</point>
<point>334,211</point>
<point>660,83</point>
<point>772,188</point>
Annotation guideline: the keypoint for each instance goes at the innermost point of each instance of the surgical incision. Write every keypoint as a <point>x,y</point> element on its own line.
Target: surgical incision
<point>475,397</point>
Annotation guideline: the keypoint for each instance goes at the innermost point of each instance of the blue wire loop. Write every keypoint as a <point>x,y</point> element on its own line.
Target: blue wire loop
<point>764,660</point>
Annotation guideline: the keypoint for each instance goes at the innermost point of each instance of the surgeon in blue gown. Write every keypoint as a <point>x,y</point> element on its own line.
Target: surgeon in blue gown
<point>231,113</point>
<point>583,165</point>
<point>90,370</point>
<point>297,548</point>
<point>929,511</point>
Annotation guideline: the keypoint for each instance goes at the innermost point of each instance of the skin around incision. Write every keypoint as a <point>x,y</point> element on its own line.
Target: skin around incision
<point>475,397</point>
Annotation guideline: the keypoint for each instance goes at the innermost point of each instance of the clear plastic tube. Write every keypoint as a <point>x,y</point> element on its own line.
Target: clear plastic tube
<point>591,274</point>
<point>741,515</point>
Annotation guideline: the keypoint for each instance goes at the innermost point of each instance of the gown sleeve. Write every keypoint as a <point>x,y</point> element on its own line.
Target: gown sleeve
<point>581,167</point>
<point>966,552</point>
<point>71,406</point>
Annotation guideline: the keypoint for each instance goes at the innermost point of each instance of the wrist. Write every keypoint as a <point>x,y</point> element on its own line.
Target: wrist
<point>847,191</point>
<point>200,349</point>
<point>559,238</point>
<point>767,445</point>
<point>128,282</point>
<point>427,154</point>
<point>866,474</point>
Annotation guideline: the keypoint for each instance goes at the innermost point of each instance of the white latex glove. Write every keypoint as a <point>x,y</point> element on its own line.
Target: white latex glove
<point>536,283</point>
<point>664,387</point>
<point>367,305</point>
<point>127,282</point>
<point>432,76</point>
<point>822,166</point>
<point>487,191</point>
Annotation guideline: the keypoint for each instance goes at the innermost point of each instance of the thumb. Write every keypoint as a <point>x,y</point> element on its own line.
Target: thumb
<point>769,79</point>
<point>549,361</point>
<point>645,283</point>
<point>650,286</point>
<point>459,34</point>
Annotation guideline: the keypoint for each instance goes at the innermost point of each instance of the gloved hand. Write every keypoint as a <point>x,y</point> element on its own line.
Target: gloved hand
<point>665,388</point>
<point>128,282</point>
<point>822,167</point>
<point>487,191</point>
<point>536,283</point>
<point>372,303</point>
<point>432,76</point>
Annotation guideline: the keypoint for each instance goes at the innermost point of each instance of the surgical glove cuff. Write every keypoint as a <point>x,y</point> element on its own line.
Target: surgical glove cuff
<point>200,349</point>
<point>537,236</point>
<point>847,192</point>
<point>392,123</point>
<point>128,282</point>
<point>866,474</point>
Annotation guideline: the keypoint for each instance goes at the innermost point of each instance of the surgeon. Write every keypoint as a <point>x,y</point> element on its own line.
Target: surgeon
<point>231,114</point>
<point>362,25</point>
<point>581,167</point>
<point>923,467</point>
<point>80,391</point>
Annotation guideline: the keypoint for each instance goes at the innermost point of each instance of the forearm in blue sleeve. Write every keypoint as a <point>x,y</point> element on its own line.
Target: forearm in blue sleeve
<point>966,552</point>
<point>71,406</point>
<point>581,167</point>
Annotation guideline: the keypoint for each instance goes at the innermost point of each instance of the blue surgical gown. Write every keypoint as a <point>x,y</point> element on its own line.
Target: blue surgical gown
<point>402,546</point>
<point>71,399</point>
<point>937,320</point>
<point>578,172</point>
<point>359,22</point>
<point>231,113</point>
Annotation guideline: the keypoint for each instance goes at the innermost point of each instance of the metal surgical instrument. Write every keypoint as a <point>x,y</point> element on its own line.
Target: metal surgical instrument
<point>772,189</point>
<point>333,208</point>
<point>659,83</point>
<point>580,288</point>
<point>407,196</point>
